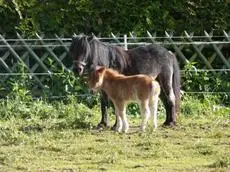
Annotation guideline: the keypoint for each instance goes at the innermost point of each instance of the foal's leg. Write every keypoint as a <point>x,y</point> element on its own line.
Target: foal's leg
<point>119,122</point>
<point>122,123</point>
<point>153,108</point>
<point>125,124</point>
<point>145,112</point>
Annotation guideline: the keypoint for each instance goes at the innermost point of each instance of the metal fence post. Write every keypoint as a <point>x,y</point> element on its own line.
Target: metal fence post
<point>125,42</point>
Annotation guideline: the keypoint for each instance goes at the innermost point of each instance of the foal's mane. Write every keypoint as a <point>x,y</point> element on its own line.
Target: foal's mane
<point>113,72</point>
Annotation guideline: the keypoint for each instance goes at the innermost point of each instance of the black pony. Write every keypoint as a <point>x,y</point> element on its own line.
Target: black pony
<point>152,60</point>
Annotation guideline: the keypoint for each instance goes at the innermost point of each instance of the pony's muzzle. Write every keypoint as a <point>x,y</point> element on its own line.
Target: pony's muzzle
<point>79,66</point>
<point>79,69</point>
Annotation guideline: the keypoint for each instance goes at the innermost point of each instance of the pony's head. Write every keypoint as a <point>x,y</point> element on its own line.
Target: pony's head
<point>95,80</point>
<point>80,51</point>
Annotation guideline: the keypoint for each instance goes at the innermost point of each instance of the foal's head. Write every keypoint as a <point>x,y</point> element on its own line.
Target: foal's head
<point>96,78</point>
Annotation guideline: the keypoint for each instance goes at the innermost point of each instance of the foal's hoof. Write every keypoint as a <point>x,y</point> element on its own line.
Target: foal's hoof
<point>169,124</point>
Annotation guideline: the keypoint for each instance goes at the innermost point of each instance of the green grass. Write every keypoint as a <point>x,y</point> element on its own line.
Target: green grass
<point>60,137</point>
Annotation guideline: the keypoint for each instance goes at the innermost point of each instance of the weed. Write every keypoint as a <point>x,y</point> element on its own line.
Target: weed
<point>221,162</point>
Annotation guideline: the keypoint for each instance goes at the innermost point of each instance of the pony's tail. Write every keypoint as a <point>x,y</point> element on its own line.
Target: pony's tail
<point>176,83</point>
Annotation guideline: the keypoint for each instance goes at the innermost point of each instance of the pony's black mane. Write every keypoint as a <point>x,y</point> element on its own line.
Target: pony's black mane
<point>79,46</point>
<point>98,53</point>
<point>107,55</point>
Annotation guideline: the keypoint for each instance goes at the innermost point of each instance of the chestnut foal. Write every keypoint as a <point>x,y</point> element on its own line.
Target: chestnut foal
<point>122,89</point>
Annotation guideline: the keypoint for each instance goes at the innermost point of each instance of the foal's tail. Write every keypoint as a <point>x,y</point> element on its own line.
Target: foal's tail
<point>176,83</point>
<point>155,88</point>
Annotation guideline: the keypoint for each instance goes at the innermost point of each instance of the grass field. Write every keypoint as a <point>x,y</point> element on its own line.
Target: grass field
<point>44,137</point>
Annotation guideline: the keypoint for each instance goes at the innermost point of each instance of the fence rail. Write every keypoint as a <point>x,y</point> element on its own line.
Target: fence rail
<point>40,55</point>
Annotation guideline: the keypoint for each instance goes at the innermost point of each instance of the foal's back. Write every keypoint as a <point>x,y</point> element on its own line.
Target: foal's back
<point>127,88</point>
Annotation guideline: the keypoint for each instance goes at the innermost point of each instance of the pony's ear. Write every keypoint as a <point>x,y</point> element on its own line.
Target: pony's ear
<point>74,36</point>
<point>80,36</point>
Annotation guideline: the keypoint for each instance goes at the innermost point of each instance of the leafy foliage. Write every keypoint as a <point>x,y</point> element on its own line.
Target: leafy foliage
<point>103,17</point>
<point>60,114</point>
<point>19,86</point>
<point>206,81</point>
<point>60,84</point>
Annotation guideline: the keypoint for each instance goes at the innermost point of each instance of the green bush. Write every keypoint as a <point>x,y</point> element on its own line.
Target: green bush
<point>66,17</point>
<point>206,81</point>
<point>40,114</point>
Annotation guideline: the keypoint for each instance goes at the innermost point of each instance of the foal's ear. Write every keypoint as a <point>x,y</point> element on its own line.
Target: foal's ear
<point>99,69</point>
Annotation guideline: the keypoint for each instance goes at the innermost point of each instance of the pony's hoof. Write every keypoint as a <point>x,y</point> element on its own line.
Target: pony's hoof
<point>101,126</point>
<point>169,124</point>
<point>114,127</point>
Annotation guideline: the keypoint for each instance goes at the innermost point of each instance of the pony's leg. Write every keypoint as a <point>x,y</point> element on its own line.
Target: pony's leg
<point>153,109</point>
<point>145,112</point>
<point>104,117</point>
<point>168,98</point>
<point>115,124</point>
